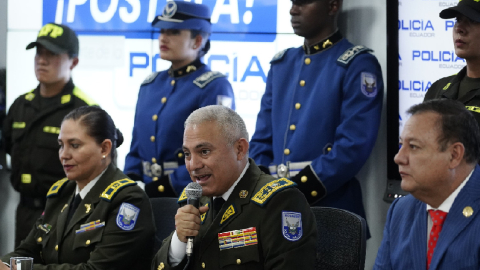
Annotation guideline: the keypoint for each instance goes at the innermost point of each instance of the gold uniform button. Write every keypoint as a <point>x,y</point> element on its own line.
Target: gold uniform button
<point>307,61</point>
<point>304,179</point>
<point>161,188</point>
<point>172,82</point>
<point>155,179</point>
<point>298,106</point>
<point>203,265</point>
<point>239,261</point>
<point>88,242</point>
<point>56,248</point>
<point>154,117</point>
<point>154,160</point>
<point>164,99</point>
<point>302,83</point>
<point>293,127</point>
<point>39,239</point>
<point>180,155</point>
<point>152,138</point>
<point>314,193</point>
<point>286,151</point>
<point>468,211</point>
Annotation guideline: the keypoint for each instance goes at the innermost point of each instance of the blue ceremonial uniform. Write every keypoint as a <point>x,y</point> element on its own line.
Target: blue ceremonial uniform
<point>165,100</point>
<point>320,116</point>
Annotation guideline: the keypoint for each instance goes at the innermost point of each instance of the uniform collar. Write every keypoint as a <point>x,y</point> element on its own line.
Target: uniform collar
<point>226,195</point>
<point>185,69</point>
<point>324,44</point>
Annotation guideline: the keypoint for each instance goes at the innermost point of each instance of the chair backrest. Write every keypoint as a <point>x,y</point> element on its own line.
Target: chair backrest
<point>164,210</point>
<point>341,239</point>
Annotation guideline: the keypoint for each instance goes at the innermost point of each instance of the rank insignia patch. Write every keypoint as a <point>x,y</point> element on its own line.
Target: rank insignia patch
<point>127,216</point>
<point>237,238</point>
<point>292,225</point>
<point>369,84</point>
<point>228,213</point>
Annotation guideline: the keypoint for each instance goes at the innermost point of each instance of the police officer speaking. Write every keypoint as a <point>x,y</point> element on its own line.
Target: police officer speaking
<point>33,123</point>
<point>320,113</point>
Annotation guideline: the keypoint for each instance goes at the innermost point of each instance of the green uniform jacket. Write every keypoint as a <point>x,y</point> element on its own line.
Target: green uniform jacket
<point>54,246</point>
<point>31,138</point>
<point>448,87</point>
<point>240,211</point>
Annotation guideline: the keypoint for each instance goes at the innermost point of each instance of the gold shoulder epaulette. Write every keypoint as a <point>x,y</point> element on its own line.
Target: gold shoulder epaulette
<point>183,196</point>
<point>81,95</point>
<point>55,188</point>
<point>267,191</point>
<point>114,187</point>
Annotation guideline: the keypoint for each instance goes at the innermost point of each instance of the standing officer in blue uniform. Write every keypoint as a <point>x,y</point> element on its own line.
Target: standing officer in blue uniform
<point>167,98</point>
<point>320,113</point>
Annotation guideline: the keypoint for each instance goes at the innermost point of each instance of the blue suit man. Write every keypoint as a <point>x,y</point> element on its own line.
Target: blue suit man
<point>167,98</point>
<point>320,113</point>
<point>440,148</point>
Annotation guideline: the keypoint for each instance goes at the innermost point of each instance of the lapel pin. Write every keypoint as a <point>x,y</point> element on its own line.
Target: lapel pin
<point>65,206</point>
<point>243,194</point>
<point>467,211</point>
<point>89,207</point>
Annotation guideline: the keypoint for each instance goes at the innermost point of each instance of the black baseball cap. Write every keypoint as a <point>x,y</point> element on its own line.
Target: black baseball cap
<point>468,8</point>
<point>57,38</point>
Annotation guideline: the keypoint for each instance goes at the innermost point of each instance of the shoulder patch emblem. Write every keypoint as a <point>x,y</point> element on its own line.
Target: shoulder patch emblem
<point>81,95</point>
<point>228,213</point>
<point>127,216</point>
<point>349,54</point>
<point>369,84</point>
<point>292,225</point>
<point>30,96</point>
<point>150,78</point>
<point>183,197</point>
<point>278,56</point>
<point>114,187</point>
<point>267,191</point>
<point>57,187</point>
<point>204,79</point>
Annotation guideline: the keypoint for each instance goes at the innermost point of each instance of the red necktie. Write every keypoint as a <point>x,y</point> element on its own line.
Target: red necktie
<point>438,217</point>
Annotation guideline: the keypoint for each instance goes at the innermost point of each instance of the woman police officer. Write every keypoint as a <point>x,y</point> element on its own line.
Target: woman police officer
<point>95,218</point>
<point>166,99</point>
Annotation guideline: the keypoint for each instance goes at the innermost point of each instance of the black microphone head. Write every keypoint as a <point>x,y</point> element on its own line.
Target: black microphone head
<point>193,191</point>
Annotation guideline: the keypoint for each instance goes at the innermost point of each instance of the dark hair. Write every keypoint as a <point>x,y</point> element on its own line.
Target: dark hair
<point>456,123</point>
<point>205,36</point>
<point>99,125</point>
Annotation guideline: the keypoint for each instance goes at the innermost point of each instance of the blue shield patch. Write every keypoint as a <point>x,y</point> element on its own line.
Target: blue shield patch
<point>127,216</point>
<point>369,84</point>
<point>292,225</point>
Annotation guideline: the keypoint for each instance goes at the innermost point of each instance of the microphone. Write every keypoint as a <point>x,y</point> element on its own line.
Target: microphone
<point>194,193</point>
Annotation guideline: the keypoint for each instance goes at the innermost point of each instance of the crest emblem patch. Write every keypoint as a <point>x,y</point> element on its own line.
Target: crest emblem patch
<point>292,226</point>
<point>170,9</point>
<point>369,84</point>
<point>127,216</point>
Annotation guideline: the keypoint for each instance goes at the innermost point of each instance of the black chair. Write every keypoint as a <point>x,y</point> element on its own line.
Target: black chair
<point>341,239</point>
<point>164,210</point>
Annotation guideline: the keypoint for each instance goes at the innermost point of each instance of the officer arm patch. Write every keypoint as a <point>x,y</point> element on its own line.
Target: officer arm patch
<point>204,79</point>
<point>114,187</point>
<point>267,191</point>
<point>369,84</point>
<point>278,56</point>
<point>57,187</point>
<point>349,54</point>
<point>150,78</point>
<point>127,216</point>
<point>292,225</point>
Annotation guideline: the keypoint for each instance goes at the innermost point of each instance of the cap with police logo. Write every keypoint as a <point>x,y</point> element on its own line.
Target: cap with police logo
<point>184,15</point>
<point>58,39</point>
<point>468,8</point>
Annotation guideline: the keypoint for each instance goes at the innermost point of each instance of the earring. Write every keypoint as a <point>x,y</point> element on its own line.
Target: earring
<point>104,156</point>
